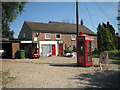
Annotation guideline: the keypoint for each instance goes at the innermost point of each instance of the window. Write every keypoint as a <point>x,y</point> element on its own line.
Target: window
<point>23,35</point>
<point>93,48</point>
<point>46,48</point>
<point>58,36</point>
<point>73,37</point>
<point>35,38</point>
<point>73,48</point>
<point>92,37</point>
<point>47,36</point>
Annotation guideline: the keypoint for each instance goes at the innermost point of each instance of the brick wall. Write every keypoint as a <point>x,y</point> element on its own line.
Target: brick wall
<point>28,32</point>
<point>95,41</point>
<point>64,37</point>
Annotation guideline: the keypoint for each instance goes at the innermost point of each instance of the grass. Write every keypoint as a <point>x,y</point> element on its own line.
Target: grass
<point>6,77</point>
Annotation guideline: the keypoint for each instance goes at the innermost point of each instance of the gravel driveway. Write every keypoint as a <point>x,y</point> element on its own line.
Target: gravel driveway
<point>59,72</point>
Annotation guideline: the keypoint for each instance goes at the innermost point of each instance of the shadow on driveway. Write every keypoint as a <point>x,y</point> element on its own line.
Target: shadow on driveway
<point>105,79</point>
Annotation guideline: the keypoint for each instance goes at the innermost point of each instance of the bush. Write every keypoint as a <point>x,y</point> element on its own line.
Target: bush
<point>113,53</point>
<point>67,51</point>
<point>95,56</point>
<point>96,51</point>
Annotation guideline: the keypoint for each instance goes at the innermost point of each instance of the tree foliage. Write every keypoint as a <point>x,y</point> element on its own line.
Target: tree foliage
<point>107,40</point>
<point>10,11</point>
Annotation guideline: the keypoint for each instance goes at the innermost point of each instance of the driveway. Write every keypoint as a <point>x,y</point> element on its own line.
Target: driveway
<point>59,72</point>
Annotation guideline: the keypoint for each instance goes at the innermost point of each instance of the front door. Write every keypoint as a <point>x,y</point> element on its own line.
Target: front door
<point>53,49</point>
<point>60,49</point>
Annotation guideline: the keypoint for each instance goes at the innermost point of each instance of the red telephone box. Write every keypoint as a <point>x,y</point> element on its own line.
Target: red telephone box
<point>84,50</point>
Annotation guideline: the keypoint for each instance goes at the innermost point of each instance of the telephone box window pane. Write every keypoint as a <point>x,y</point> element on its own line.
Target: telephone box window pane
<point>89,50</point>
<point>88,46</point>
<point>89,59</point>
<point>80,45</point>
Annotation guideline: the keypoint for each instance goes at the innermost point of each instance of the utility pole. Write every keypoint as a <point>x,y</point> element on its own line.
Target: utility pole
<point>77,17</point>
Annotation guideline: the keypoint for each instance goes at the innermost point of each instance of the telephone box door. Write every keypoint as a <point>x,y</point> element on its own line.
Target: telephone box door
<point>80,52</point>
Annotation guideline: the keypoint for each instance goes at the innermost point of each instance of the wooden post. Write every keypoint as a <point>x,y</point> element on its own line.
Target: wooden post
<point>77,17</point>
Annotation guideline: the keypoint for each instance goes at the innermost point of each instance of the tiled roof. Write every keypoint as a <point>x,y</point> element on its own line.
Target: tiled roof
<point>58,27</point>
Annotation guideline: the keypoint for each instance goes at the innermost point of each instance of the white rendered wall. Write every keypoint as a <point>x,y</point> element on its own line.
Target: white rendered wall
<point>48,42</point>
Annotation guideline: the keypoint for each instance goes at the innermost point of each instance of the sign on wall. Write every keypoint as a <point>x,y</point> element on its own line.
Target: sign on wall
<point>60,42</point>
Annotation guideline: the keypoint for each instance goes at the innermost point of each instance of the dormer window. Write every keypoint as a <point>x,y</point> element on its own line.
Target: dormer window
<point>58,36</point>
<point>47,36</point>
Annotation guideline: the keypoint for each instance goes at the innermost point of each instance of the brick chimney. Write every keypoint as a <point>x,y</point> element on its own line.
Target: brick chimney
<point>81,22</point>
<point>117,34</point>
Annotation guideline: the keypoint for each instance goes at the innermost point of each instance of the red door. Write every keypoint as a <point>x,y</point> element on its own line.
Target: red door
<point>53,49</point>
<point>60,49</point>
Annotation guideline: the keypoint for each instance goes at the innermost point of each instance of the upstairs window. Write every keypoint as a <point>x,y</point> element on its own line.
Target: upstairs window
<point>73,37</point>
<point>35,38</point>
<point>23,35</point>
<point>58,36</point>
<point>47,36</point>
<point>92,37</point>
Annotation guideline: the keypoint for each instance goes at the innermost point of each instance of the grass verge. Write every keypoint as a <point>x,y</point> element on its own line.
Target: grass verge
<point>6,78</point>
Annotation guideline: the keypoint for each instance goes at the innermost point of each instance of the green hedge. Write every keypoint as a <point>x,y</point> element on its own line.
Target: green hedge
<point>115,54</point>
<point>67,51</point>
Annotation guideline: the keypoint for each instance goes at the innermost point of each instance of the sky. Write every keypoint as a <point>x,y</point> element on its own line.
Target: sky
<point>92,14</point>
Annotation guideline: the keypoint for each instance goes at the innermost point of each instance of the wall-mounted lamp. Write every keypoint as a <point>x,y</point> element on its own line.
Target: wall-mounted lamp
<point>37,34</point>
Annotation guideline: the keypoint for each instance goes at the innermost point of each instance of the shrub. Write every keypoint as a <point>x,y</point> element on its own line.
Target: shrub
<point>67,51</point>
<point>96,51</point>
<point>114,53</point>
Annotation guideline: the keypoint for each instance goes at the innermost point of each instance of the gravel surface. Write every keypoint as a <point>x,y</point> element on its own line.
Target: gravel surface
<point>59,72</point>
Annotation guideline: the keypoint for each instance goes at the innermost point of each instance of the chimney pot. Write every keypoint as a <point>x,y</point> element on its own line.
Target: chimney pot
<point>81,22</point>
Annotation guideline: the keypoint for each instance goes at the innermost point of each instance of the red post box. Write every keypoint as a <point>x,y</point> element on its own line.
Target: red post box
<point>84,50</point>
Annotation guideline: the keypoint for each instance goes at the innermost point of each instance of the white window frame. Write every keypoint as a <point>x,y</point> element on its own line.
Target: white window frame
<point>46,34</point>
<point>56,36</point>
<point>92,37</point>
<point>35,39</point>
<point>72,38</point>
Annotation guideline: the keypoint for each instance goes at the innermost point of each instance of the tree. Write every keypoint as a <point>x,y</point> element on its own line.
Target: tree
<point>10,11</point>
<point>115,38</point>
<point>105,37</point>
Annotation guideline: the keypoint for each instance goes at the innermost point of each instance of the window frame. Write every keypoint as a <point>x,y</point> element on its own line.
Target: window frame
<point>72,38</point>
<point>46,34</point>
<point>92,38</point>
<point>35,39</point>
<point>56,36</point>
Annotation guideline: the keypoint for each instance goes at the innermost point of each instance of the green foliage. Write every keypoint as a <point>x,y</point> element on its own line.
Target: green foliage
<point>95,56</point>
<point>74,49</point>
<point>96,51</point>
<point>67,51</point>
<point>114,53</point>
<point>106,37</point>
<point>10,11</point>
